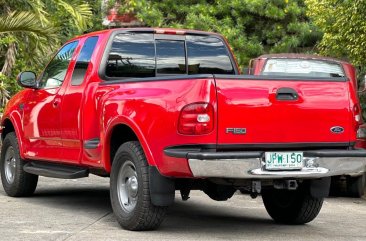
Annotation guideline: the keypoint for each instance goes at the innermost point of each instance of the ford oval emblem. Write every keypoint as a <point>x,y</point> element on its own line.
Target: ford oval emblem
<point>337,129</point>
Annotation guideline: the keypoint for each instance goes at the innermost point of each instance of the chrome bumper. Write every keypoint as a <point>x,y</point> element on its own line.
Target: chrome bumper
<point>253,168</point>
<point>251,165</point>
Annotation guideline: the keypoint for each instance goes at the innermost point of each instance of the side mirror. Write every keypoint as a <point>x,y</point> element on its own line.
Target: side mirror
<point>27,79</point>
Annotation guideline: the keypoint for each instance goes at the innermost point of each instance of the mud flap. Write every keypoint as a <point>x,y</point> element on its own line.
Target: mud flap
<point>319,188</point>
<point>162,189</point>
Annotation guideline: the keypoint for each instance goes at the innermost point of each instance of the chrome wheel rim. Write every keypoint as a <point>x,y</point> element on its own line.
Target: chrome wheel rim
<point>10,165</point>
<point>127,186</point>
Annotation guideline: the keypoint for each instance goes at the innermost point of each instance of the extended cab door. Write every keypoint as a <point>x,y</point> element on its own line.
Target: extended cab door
<point>41,121</point>
<point>73,102</point>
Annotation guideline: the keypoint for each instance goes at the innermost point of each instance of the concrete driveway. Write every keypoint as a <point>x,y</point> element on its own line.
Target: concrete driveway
<point>80,210</point>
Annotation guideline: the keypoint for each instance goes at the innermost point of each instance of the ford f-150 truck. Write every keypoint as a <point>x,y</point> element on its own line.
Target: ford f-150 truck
<point>307,65</point>
<point>160,110</point>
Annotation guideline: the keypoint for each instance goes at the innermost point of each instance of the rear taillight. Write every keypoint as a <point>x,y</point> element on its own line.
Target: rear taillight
<point>357,116</point>
<point>196,119</point>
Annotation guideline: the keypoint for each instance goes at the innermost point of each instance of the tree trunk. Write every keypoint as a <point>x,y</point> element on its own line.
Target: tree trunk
<point>9,59</point>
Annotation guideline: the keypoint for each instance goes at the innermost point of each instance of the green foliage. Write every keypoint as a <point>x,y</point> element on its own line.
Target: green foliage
<point>31,30</point>
<point>252,27</point>
<point>96,19</point>
<point>28,32</point>
<point>80,13</point>
<point>71,17</point>
<point>24,22</point>
<point>344,27</point>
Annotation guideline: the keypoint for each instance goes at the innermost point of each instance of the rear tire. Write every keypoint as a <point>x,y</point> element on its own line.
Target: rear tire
<point>130,190</point>
<point>16,182</point>
<point>291,207</point>
<point>356,186</point>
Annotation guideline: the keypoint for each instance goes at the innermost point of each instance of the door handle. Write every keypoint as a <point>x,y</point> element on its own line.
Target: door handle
<point>286,94</point>
<point>56,103</point>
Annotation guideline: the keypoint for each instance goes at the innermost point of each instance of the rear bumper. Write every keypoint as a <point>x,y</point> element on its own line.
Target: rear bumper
<point>251,165</point>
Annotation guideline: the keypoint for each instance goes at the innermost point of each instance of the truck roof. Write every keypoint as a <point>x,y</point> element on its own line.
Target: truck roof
<point>300,56</point>
<point>154,30</point>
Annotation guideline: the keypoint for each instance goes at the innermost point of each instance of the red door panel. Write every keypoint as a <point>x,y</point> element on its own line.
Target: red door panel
<point>42,112</point>
<point>42,124</point>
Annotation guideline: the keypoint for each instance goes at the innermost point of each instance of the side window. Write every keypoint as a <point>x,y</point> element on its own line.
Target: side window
<point>83,60</point>
<point>170,57</point>
<point>132,55</point>
<point>207,55</point>
<point>55,72</point>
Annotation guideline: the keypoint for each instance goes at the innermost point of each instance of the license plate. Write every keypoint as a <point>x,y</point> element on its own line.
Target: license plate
<point>284,160</point>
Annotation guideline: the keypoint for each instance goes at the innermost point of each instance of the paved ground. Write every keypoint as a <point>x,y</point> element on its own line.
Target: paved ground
<point>80,210</point>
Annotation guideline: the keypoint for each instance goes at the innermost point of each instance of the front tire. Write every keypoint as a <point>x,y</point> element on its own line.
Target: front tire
<point>130,190</point>
<point>291,207</point>
<point>16,182</point>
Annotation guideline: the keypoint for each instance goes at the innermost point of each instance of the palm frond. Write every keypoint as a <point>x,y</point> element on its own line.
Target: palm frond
<point>38,7</point>
<point>33,38</point>
<point>25,22</point>
<point>81,13</point>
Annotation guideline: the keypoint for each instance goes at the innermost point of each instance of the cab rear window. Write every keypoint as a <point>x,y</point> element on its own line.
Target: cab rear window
<point>208,55</point>
<point>140,55</point>
<point>302,68</point>
<point>170,57</point>
<point>132,55</point>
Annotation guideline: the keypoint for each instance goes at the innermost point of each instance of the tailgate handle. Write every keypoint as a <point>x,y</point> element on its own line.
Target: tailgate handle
<point>287,94</point>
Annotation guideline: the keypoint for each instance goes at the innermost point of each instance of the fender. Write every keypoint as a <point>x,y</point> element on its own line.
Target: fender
<point>105,139</point>
<point>15,118</point>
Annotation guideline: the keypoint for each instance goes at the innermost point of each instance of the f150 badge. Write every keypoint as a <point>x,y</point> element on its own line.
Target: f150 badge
<point>236,131</point>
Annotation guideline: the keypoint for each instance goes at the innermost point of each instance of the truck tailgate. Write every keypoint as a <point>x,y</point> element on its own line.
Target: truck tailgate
<point>266,111</point>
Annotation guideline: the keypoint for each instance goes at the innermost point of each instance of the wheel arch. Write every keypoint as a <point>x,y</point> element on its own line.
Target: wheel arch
<point>7,127</point>
<point>122,130</point>
<point>11,124</point>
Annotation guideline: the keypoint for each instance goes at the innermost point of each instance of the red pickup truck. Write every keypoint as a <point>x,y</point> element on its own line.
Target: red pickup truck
<point>307,65</point>
<point>160,110</point>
